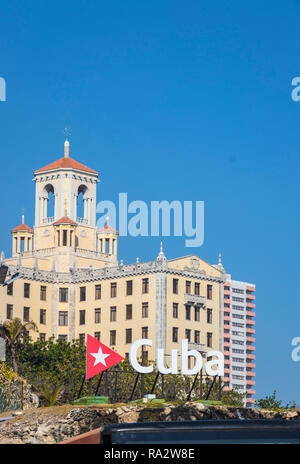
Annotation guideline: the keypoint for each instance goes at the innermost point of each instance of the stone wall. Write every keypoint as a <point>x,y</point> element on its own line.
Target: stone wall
<point>52,425</point>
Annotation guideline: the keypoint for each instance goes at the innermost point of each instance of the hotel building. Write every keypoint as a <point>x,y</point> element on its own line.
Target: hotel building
<point>72,283</point>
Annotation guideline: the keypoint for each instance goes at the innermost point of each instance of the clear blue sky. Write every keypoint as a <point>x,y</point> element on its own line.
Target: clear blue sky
<point>174,100</point>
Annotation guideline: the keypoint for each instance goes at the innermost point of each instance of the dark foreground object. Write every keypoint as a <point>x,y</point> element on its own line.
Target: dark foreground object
<point>203,432</point>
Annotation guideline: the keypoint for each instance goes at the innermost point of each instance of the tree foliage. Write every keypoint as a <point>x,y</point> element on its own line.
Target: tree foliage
<point>271,402</point>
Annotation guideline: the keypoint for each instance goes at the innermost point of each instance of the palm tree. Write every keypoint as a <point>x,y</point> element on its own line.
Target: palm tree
<point>12,331</point>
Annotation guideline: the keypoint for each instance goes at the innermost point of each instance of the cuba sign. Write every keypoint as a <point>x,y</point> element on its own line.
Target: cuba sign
<point>214,362</point>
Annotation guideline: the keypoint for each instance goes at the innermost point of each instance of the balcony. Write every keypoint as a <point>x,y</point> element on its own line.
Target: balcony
<point>250,297</point>
<point>250,322</point>
<point>194,300</point>
<point>250,331</point>
<point>48,220</point>
<point>250,365</point>
<point>198,347</point>
<point>250,348</point>
<point>226,371</point>
<point>250,356</point>
<point>226,300</point>
<point>250,392</point>
<point>227,293</point>
<point>226,344</point>
<point>250,382</point>
<point>250,339</point>
<point>250,288</point>
<point>250,374</point>
<point>82,220</point>
<point>227,318</point>
<point>226,379</point>
<point>249,400</point>
<point>250,313</point>
<point>250,305</point>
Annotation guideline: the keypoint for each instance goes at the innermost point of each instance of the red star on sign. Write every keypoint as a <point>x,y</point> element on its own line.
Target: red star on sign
<point>99,357</point>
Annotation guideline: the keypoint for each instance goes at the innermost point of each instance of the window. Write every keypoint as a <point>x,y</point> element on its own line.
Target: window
<point>97,315</point>
<point>26,314</point>
<point>10,289</point>
<point>145,286</point>
<point>175,335</point>
<point>98,292</point>
<point>238,290</point>
<point>197,336</point>
<point>145,310</point>
<point>128,287</point>
<point>82,317</point>
<point>175,286</point>
<point>112,337</point>
<point>187,312</point>
<point>197,288</point>
<point>238,308</point>
<point>65,235</point>
<point>63,318</point>
<point>113,314</point>
<point>144,332</point>
<point>144,358</point>
<point>42,316</point>
<point>43,293</point>
<point>128,335</point>
<point>188,287</point>
<point>209,316</point>
<point>97,336</point>
<point>197,313</point>
<point>9,311</point>
<point>26,290</point>
<point>175,310</point>
<point>113,290</point>
<point>42,337</point>
<point>82,293</point>
<point>63,338</point>
<point>209,339</point>
<point>188,334</point>
<point>238,316</point>
<point>236,298</point>
<point>63,295</point>
<point>128,312</point>
<point>237,342</point>
<point>209,292</point>
<point>82,339</point>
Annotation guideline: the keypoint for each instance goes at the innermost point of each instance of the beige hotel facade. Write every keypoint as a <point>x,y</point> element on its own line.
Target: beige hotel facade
<point>72,283</point>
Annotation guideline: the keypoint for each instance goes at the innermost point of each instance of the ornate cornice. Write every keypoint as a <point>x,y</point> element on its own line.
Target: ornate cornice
<point>108,273</point>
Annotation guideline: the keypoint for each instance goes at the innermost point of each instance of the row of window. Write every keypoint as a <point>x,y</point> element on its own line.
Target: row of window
<point>188,313</point>
<point>188,336</point>
<point>63,315</point>
<point>63,292</point>
<point>188,288</point>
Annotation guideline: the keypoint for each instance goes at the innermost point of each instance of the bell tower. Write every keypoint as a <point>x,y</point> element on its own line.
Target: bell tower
<point>61,187</point>
<point>64,181</point>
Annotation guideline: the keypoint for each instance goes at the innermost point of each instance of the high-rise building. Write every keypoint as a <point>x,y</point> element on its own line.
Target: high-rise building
<point>239,337</point>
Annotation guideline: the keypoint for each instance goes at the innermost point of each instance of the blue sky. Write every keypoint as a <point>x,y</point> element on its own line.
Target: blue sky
<point>170,101</point>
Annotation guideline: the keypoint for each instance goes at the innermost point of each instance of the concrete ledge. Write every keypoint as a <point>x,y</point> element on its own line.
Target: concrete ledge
<point>89,438</point>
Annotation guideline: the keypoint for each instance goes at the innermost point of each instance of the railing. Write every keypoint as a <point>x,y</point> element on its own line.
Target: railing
<point>48,220</point>
<point>82,220</point>
<point>194,299</point>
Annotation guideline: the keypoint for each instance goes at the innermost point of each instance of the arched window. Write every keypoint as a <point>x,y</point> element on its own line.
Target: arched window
<point>48,203</point>
<point>82,207</point>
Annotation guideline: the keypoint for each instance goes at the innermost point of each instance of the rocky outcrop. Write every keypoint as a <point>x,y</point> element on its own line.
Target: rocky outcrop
<point>52,425</point>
